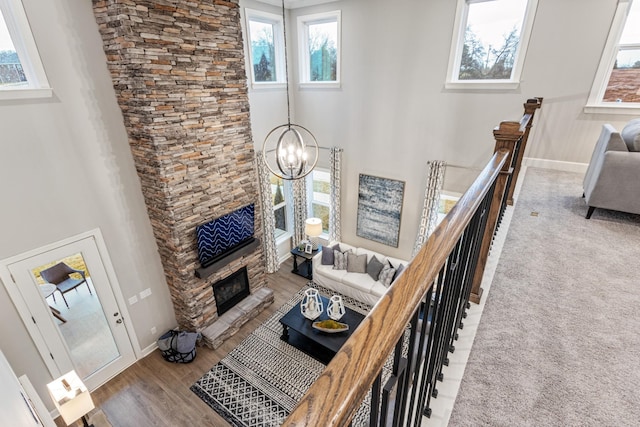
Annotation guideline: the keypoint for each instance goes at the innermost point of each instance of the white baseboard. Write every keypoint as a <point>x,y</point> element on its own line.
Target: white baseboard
<point>149,349</point>
<point>555,164</point>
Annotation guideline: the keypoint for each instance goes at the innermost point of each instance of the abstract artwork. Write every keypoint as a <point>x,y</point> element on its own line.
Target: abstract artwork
<point>379,209</point>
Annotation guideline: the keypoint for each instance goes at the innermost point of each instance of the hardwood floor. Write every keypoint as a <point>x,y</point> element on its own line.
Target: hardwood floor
<point>153,392</point>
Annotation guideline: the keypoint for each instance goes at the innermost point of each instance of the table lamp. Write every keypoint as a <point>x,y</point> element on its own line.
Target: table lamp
<point>71,397</point>
<point>313,229</point>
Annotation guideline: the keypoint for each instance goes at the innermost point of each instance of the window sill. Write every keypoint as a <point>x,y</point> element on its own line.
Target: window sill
<point>268,86</point>
<point>631,109</point>
<point>27,93</point>
<point>482,85</point>
<point>280,239</point>
<point>319,85</point>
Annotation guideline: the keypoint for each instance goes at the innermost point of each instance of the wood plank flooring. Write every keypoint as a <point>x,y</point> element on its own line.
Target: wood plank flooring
<point>153,392</point>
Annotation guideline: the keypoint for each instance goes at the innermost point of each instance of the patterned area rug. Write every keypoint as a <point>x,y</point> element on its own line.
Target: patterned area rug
<point>259,383</point>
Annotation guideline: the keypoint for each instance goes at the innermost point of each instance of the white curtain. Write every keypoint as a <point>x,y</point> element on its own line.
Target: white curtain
<point>435,178</point>
<point>299,199</point>
<point>271,259</point>
<point>335,232</point>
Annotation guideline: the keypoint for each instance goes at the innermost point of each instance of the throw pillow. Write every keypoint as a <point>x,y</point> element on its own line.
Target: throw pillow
<point>327,255</point>
<point>356,263</point>
<point>386,275</point>
<point>399,271</point>
<point>631,135</point>
<point>340,259</point>
<point>374,268</point>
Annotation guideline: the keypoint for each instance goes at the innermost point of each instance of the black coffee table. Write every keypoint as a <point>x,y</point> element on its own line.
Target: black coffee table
<point>322,346</point>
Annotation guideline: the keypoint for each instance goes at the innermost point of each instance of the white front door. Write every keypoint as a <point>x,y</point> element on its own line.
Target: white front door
<point>83,328</point>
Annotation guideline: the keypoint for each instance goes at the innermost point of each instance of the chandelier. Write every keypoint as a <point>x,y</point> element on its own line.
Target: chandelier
<point>290,151</point>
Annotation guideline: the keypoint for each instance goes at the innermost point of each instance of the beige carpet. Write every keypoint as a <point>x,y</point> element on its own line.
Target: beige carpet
<point>558,341</point>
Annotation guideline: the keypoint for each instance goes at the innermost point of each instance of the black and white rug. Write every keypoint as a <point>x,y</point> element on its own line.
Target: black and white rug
<point>260,382</point>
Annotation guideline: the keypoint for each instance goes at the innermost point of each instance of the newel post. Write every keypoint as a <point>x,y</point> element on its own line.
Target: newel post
<point>530,108</point>
<point>507,136</point>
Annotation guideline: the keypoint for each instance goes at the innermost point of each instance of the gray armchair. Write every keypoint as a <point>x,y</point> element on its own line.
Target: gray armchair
<point>60,275</point>
<point>612,180</point>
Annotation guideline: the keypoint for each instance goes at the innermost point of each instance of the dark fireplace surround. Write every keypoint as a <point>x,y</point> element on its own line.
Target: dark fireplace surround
<point>231,290</point>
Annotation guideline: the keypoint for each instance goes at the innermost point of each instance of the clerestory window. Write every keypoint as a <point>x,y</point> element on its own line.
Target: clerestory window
<point>489,43</point>
<point>266,48</point>
<point>21,72</point>
<point>319,41</point>
<point>616,87</point>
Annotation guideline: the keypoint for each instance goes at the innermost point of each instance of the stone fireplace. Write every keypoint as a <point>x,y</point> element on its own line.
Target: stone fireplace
<point>178,72</point>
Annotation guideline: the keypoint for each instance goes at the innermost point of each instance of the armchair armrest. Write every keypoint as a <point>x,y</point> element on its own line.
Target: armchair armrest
<point>81,272</point>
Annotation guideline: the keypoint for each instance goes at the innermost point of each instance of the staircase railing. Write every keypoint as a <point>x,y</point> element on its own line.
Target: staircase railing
<point>392,363</point>
<point>512,136</point>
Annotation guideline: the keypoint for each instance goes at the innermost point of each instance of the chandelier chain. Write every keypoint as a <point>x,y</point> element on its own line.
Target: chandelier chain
<point>286,64</point>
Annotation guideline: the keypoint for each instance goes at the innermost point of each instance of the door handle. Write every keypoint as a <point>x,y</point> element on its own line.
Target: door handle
<point>116,314</point>
<point>119,321</point>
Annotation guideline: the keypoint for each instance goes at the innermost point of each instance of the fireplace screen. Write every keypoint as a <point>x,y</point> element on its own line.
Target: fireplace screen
<point>231,290</point>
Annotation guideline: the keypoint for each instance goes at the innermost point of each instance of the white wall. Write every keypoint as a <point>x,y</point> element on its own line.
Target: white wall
<point>65,168</point>
<point>65,164</point>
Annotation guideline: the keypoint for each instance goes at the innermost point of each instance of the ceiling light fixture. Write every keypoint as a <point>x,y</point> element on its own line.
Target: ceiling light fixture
<point>292,148</point>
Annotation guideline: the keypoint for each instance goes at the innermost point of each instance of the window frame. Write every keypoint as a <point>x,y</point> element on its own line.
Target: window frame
<point>595,103</point>
<point>311,200</point>
<point>20,32</point>
<point>303,48</point>
<point>278,44</point>
<point>280,234</point>
<point>457,42</point>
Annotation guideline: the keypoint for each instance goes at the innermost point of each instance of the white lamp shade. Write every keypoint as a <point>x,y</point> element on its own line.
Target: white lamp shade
<point>313,227</point>
<point>71,397</point>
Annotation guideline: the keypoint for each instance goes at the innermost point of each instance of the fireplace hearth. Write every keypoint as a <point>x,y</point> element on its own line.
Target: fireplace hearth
<point>231,290</point>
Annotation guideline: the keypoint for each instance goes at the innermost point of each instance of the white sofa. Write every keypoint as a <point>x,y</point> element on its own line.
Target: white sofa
<point>360,286</point>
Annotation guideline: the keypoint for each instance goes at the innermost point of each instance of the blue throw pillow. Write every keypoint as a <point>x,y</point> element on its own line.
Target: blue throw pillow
<point>374,268</point>
<point>327,254</point>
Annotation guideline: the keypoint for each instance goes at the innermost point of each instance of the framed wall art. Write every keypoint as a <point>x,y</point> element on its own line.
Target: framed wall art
<point>379,209</point>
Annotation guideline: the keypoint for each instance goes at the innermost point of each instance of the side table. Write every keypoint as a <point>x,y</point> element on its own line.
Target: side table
<point>305,269</point>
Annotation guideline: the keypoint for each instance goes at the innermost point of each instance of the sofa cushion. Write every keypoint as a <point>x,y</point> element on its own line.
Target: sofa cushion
<point>327,254</point>
<point>356,263</point>
<point>378,289</point>
<point>361,282</point>
<point>631,135</point>
<point>386,275</point>
<point>340,259</point>
<point>374,267</point>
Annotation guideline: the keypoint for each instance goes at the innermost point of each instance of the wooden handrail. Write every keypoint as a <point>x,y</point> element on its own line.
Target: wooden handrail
<point>337,394</point>
<point>512,136</point>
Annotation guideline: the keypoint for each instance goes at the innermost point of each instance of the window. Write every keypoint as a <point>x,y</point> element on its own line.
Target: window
<point>616,87</point>
<point>319,37</point>
<point>266,48</point>
<point>280,210</point>
<point>490,43</point>
<point>319,196</point>
<point>21,72</point>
